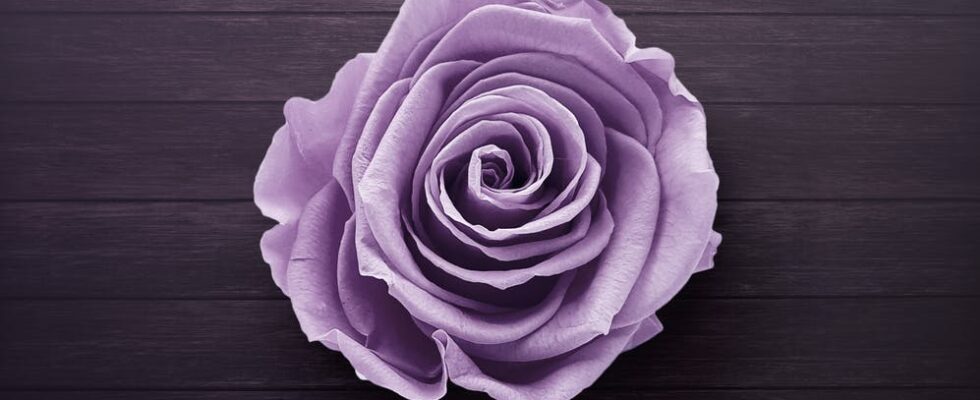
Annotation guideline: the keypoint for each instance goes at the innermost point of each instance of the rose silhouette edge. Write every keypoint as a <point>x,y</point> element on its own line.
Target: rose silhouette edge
<point>336,181</point>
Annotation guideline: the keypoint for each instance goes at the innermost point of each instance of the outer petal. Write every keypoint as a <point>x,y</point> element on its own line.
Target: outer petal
<point>312,272</point>
<point>612,28</point>
<point>688,202</point>
<point>285,181</point>
<point>276,245</point>
<point>370,366</point>
<point>394,354</point>
<point>558,378</point>
<point>708,256</point>
<point>646,330</point>
<point>298,161</point>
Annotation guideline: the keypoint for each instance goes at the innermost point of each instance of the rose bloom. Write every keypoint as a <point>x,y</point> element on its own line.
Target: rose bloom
<point>503,195</point>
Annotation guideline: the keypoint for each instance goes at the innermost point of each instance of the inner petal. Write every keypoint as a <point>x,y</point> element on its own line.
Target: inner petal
<point>475,167</point>
<point>571,154</point>
<point>490,167</point>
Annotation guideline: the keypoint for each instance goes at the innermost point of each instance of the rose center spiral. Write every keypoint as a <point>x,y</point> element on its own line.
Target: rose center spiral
<point>493,167</point>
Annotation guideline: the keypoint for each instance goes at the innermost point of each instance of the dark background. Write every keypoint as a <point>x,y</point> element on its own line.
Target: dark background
<point>845,133</point>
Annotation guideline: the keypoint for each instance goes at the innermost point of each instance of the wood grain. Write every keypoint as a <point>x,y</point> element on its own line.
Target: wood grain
<point>845,134</point>
<point>212,151</point>
<point>924,7</point>
<point>740,58</point>
<point>707,344</point>
<point>210,250</point>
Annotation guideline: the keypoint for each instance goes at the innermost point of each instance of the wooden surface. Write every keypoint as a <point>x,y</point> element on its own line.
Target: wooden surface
<point>845,134</point>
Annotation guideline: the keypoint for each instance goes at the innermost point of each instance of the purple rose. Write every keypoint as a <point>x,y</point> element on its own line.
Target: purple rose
<point>503,195</point>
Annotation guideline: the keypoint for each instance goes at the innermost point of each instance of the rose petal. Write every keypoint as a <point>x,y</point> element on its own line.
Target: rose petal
<point>571,256</point>
<point>602,289</point>
<point>368,365</point>
<point>276,245</point>
<point>285,181</point>
<point>489,106</point>
<point>416,21</point>
<point>521,31</point>
<point>647,329</point>
<point>423,305</point>
<point>707,257</point>
<point>688,205</point>
<point>617,109</point>
<point>528,100</point>
<point>612,28</point>
<point>523,132</point>
<point>311,274</point>
<point>297,162</point>
<point>322,309</point>
<point>584,113</point>
<point>477,201</point>
<point>563,377</point>
<point>383,188</point>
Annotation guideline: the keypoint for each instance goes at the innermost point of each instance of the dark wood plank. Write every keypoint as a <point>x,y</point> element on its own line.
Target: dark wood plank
<point>457,393</point>
<point>814,343</point>
<point>210,250</point>
<point>723,58</point>
<point>627,6</point>
<point>133,250</point>
<point>170,151</point>
<point>844,152</point>
<point>211,151</point>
